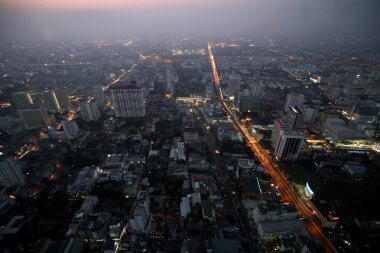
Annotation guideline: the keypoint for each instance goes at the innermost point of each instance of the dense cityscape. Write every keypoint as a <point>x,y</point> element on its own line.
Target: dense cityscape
<point>191,145</point>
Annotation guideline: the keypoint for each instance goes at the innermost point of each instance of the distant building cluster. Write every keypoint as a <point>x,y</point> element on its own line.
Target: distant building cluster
<point>154,146</point>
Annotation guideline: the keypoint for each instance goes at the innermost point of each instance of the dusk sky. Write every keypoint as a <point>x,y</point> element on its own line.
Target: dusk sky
<point>33,20</point>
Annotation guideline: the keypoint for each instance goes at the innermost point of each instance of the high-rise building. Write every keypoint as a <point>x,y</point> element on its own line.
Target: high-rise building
<point>209,91</point>
<point>36,98</point>
<point>98,94</point>
<point>233,84</point>
<point>169,80</point>
<point>10,173</point>
<point>23,100</point>
<point>309,115</point>
<point>293,99</point>
<point>70,128</point>
<point>50,101</point>
<point>12,126</point>
<point>256,90</point>
<point>139,222</point>
<point>279,125</point>
<point>89,111</point>
<point>128,100</point>
<point>63,100</point>
<point>35,118</point>
<point>294,117</point>
<point>289,145</point>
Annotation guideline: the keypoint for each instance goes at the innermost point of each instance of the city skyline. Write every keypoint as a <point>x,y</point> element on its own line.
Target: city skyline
<point>247,126</point>
<point>38,21</point>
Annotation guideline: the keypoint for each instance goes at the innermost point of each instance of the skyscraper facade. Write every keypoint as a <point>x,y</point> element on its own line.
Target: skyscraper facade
<point>128,100</point>
<point>209,91</point>
<point>169,80</point>
<point>89,111</point>
<point>289,145</point>
<point>23,100</point>
<point>10,173</point>
<point>50,101</point>
<point>293,99</point>
<point>35,118</point>
<point>98,94</point>
<point>233,84</point>
<point>63,100</point>
<point>279,125</point>
<point>71,129</point>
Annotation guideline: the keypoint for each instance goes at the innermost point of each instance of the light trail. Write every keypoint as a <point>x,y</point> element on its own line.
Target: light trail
<point>122,75</point>
<point>288,193</point>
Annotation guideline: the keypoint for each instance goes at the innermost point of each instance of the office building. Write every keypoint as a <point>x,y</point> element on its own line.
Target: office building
<point>309,115</point>
<point>256,90</point>
<point>279,124</point>
<point>63,100</point>
<point>128,100</point>
<point>12,126</point>
<point>282,228</point>
<point>35,118</point>
<point>10,173</point>
<point>294,116</point>
<point>233,84</point>
<point>273,212</point>
<point>364,111</point>
<point>169,80</point>
<point>139,222</point>
<point>89,111</point>
<point>209,91</point>
<point>23,100</point>
<point>98,94</point>
<point>294,100</point>
<point>331,183</point>
<point>288,145</point>
<point>50,101</point>
<point>71,129</point>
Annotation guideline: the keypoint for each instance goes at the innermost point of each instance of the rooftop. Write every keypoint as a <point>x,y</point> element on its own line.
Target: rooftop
<point>278,208</point>
<point>125,85</point>
<point>283,225</point>
<point>224,245</point>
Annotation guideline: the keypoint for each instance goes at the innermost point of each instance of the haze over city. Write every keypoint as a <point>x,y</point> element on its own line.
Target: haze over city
<point>38,20</point>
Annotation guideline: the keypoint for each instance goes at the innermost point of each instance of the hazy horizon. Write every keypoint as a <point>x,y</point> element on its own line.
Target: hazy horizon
<point>39,21</point>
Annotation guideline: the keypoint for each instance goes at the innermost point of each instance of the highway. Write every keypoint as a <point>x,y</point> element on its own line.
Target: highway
<point>288,193</point>
<point>122,75</point>
<point>242,221</point>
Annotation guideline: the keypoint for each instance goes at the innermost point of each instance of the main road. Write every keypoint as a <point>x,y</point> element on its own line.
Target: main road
<point>288,193</point>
